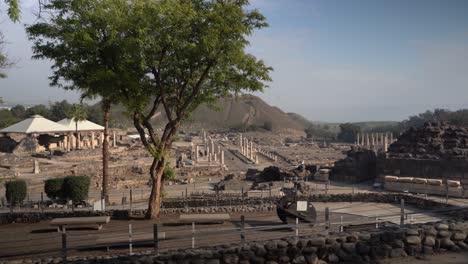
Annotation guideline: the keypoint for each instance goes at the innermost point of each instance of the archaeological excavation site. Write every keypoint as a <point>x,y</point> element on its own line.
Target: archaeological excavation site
<point>233,132</point>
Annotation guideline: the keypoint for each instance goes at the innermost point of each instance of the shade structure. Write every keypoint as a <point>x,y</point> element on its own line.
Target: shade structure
<point>34,125</point>
<point>84,125</point>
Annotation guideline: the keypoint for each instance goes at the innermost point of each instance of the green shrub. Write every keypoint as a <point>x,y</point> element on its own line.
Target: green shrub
<point>76,188</point>
<point>15,191</point>
<point>53,188</point>
<point>169,173</point>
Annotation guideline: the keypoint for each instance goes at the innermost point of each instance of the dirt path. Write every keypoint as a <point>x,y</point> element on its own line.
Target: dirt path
<point>448,258</point>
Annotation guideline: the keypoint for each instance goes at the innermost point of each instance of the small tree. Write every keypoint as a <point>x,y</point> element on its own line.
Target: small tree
<point>53,188</point>
<point>78,114</point>
<point>76,188</point>
<point>15,191</point>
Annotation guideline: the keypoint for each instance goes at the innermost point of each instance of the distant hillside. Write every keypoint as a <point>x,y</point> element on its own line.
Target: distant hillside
<point>300,119</point>
<point>246,112</point>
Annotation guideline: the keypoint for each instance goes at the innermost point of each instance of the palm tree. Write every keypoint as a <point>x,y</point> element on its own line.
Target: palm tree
<point>78,114</point>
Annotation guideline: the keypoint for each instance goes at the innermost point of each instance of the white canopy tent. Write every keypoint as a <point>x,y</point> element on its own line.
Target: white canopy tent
<point>84,125</point>
<point>36,124</point>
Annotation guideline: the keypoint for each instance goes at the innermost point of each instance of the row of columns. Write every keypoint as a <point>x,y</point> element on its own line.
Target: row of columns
<point>208,151</point>
<point>69,141</point>
<point>374,140</point>
<point>246,148</point>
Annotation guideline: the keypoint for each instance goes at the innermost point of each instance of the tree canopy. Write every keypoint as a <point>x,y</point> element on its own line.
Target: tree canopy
<point>169,54</point>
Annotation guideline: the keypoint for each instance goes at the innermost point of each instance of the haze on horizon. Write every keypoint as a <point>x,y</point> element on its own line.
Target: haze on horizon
<point>333,60</point>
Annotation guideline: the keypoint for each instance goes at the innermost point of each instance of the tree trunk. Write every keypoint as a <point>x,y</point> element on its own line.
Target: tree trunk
<point>156,172</point>
<point>105,153</point>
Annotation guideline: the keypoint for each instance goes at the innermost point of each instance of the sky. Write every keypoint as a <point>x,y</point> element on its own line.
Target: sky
<point>333,60</point>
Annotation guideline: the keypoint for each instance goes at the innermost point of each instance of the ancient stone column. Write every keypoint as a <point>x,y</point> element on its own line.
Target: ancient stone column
<point>209,157</point>
<point>256,159</point>
<point>212,147</point>
<point>391,138</point>
<point>197,153</point>
<point>36,169</point>
<point>92,140</point>
<point>79,141</point>
<point>357,139</point>
<point>222,157</point>
<point>385,145</point>
<point>367,140</point>
<point>215,157</point>
<point>114,142</point>
<point>101,136</point>
<point>251,150</point>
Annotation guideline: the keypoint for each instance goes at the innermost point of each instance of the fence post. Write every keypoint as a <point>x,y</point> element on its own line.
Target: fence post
<point>242,197</point>
<point>130,245</point>
<point>42,202</point>
<point>341,223</point>
<point>242,229</point>
<point>193,234</point>
<point>155,238</point>
<point>446,193</point>
<point>327,218</point>
<point>425,190</point>
<point>297,228</point>
<point>402,212</point>
<point>217,195</point>
<point>131,201</point>
<point>64,244</point>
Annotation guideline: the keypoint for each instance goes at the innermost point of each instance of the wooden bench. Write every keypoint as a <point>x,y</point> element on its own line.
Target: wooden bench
<point>79,221</point>
<point>204,218</point>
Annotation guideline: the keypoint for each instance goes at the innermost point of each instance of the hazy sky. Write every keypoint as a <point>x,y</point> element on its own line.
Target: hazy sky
<point>333,60</point>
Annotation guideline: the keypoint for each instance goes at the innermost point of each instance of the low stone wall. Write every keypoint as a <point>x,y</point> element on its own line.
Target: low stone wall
<point>363,247</point>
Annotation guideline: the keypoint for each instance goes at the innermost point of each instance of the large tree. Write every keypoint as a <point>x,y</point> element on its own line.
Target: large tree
<point>14,15</point>
<point>86,41</point>
<point>195,53</point>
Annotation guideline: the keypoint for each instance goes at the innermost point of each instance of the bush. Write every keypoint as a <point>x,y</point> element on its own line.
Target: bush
<point>169,173</point>
<point>76,188</point>
<point>15,191</point>
<point>53,188</point>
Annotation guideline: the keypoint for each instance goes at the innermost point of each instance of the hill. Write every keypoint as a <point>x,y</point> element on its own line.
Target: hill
<point>246,112</point>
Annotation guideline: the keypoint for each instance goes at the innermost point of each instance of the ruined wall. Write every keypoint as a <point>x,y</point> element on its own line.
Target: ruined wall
<point>358,166</point>
<point>435,150</point>
<point>455,169</point>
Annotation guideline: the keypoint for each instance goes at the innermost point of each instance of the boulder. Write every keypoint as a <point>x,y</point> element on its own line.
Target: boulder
<point>441,226</point>
<point>429,241</point>
<point>446,243</point>
<point>459,236</point>
<point>413,240</point>
<point>397,253</point>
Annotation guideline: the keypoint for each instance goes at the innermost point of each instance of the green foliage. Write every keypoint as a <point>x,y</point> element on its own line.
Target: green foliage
<point>54,188</point>
<point>320,132</point>
<point>40,109</point>
<point>169,173</point>
<point>5,63</point>
<point>60,110</point>
<point>348,132</point>
<point>7,118</point>
<point>77,113</point>
<point>459,118</point>
<point>15,191</point>
<point>76,188</point>
<point>13,10</point>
